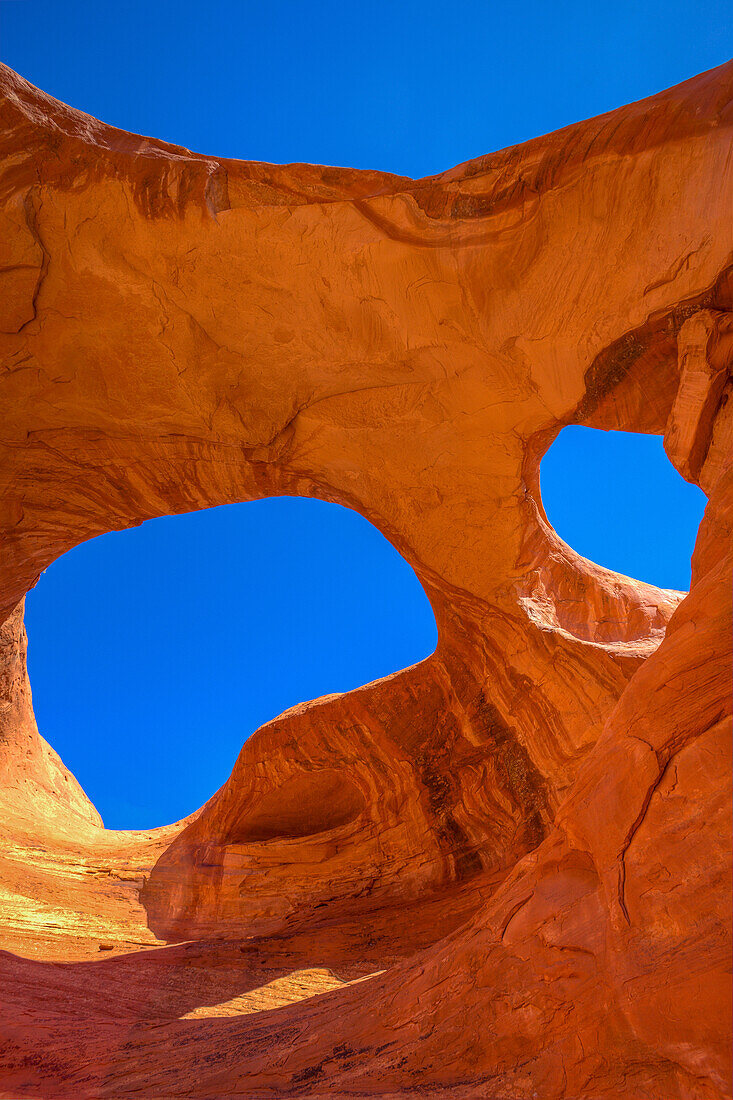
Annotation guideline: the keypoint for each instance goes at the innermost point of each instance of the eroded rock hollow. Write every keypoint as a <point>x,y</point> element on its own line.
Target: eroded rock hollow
<point>521,846</point>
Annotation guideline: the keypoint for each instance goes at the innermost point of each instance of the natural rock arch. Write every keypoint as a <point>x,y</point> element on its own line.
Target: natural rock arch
<point>221,331</point>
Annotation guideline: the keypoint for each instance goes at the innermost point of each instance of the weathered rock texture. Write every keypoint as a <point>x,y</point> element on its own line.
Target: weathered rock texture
<point>528,834</point>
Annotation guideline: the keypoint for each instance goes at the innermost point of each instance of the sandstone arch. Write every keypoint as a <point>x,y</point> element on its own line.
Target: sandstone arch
<point>550,785</point>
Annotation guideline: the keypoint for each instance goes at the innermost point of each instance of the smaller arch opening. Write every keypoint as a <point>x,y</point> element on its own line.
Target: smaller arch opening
<point>306,804</point>
<point>616,499</point>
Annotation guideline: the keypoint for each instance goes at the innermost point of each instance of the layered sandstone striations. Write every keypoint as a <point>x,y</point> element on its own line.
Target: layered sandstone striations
<point>522,844</point>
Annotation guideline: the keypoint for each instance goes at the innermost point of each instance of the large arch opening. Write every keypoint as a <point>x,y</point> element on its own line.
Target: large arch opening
<point>616,499</point>
<point>156,651</point>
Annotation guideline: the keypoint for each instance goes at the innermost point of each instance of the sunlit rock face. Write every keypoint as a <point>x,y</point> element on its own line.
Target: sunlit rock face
<point>523,842</point>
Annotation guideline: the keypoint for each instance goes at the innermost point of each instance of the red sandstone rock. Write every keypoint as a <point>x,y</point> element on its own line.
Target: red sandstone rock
<point>528,834</point>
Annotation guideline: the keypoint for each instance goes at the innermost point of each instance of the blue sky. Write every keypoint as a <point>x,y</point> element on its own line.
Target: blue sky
<point>409,86</point>
<point>618,500</point>
<point>197,629</point>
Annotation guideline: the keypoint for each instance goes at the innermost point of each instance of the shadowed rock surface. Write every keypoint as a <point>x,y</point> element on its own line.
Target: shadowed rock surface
<point>504,872</point>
